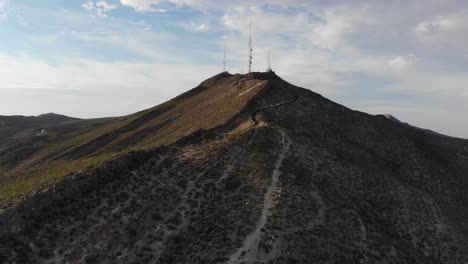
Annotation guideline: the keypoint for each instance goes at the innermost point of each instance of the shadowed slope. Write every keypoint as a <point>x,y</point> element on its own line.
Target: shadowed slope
<point>306,181</point>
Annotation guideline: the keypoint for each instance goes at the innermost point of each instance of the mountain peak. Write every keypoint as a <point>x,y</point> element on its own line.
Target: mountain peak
<point>391,117</point>
<point>47,114</point>
<point>269,75</point>
<point>240,169</point>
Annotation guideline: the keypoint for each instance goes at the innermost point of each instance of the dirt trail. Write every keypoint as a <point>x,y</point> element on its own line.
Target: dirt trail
<point>250,89</point>
<point>249,250</point>
<point>253,116</point>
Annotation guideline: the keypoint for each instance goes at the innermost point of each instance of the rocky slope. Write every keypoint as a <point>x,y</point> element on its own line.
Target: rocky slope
<point>256,171</point>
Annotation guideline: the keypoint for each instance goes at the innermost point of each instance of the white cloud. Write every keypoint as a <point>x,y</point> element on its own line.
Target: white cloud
<point>440,24</point>
<point>264,21</point>
<point>195,26</point>
<point>205,5</point>
<point>3,8</point>
<point>401,63</point>
<point>88,5</point>
<point>201,27</point>
<point>88,83</point>
<point>338,26</point>
<point>122,38</point>
<point>332,47</point>
<point>105,6</point>
<point>446,33</point>
<point>3,4</point>
<point>433,84</point>
<point>143,5</point>
<point>100,7</point>
<point>330,29</point>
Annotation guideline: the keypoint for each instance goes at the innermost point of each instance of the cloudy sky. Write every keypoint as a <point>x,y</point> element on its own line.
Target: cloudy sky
<point>114,57</point>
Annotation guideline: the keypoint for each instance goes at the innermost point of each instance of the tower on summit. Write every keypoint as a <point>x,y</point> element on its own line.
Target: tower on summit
<point>250,47</point>
<point>224,57</point>
<point>269,63</point>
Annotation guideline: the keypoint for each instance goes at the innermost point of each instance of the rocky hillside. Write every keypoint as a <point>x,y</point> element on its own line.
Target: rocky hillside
<point>247,169</point>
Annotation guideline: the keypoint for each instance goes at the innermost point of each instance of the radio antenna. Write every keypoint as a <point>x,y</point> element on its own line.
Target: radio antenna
<point>224,57</point>
<point>269,62</point>
<point>250,47</point>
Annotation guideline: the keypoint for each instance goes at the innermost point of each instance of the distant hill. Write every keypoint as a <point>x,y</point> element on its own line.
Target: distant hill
<point>390,117</point>
<point>21,137</point>
<point>394,119</point>
<point>240,169</point>
<point>10,125</point>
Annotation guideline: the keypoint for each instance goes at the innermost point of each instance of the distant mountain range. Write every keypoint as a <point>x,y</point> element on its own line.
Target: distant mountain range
<point>240,169</point>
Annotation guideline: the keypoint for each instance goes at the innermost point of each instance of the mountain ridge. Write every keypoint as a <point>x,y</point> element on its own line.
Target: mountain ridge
<point>162,124</point>
<point>268,172</point>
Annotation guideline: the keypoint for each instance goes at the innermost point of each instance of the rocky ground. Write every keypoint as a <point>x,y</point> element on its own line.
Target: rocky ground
<point>292,178</point>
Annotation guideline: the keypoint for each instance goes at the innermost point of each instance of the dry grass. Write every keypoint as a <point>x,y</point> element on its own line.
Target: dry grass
<point>203,108</point>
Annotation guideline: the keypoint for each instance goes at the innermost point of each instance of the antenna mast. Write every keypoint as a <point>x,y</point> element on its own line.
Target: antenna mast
<point>269,62</point>
<point>250,47</point>
<point>224,57</point>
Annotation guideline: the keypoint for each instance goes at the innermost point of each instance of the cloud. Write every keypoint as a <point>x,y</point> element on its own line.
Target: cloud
<point>143,5</point>
<point>100,7</point>
<point>105,6</point>
<point>201,27</point>
<point>445,34</point>
<point>437,25</point>
<point>76,34</point>
<point>88,5</point>
<point>401,63</point>
<point>349,51</point>
<point>3,9</point>
<point>338,25</point>
<point>3,4</point>
<point>331,29</point>
<point>195,26</point>
<point>82,85</point>
<point>143,24</point>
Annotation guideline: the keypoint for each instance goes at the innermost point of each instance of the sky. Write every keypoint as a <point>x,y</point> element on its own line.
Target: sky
<point>108,58</point>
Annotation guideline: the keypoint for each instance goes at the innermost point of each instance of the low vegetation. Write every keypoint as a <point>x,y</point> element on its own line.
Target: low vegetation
<point>211,104</point>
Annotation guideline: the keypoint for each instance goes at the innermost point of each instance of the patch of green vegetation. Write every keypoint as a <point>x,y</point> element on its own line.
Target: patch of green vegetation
<point>204,109</point>
<point>84,138</point>
<point>14,185</point>
<point>25,178</point>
